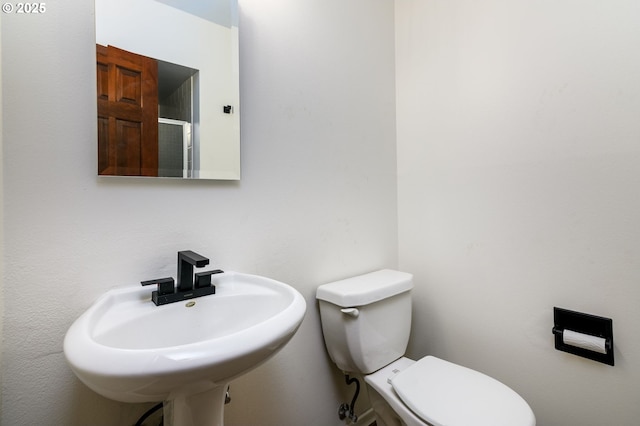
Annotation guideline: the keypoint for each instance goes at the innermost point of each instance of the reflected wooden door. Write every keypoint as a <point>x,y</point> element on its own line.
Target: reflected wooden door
<point>127,113</point>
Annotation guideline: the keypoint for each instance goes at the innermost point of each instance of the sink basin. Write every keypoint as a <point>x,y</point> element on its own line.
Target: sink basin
<point>128,349</point>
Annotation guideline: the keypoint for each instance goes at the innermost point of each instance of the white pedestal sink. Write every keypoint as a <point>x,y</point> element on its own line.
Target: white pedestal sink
<point>185,353</point>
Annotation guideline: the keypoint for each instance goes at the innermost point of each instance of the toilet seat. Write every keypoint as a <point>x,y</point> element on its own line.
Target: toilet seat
<point>446,394</point>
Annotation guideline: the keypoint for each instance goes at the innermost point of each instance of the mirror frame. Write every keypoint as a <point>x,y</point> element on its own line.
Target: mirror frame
<point>219,85</point>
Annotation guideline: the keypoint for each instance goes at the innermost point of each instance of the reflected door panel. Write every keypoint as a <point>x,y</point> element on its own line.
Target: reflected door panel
<point>127,113</point>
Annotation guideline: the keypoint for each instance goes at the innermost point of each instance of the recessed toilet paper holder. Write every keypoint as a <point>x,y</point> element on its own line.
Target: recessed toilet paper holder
<point>594,328</point>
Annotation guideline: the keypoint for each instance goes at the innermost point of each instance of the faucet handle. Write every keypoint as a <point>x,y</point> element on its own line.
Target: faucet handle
<point>203,279</point>
<point>165,285</point>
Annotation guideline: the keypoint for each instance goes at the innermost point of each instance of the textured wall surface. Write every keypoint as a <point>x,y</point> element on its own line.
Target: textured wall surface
<point>518,160</point>
<point>317,199</point>
<point>517,128</point>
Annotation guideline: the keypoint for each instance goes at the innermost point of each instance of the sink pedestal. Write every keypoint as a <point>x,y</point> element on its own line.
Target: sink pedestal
<point>196,409</point>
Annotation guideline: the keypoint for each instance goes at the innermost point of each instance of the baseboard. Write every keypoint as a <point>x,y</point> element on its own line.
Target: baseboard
<point>366,418</point>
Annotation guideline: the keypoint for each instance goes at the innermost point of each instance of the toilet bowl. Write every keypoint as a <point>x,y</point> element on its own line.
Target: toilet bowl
<point>366,322</point>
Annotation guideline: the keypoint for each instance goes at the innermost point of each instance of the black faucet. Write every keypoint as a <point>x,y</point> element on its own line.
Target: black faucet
<point>186,261</point>
<point>187,287</point>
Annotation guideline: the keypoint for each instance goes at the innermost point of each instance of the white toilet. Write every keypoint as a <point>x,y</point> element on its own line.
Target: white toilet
<point>366,322</point>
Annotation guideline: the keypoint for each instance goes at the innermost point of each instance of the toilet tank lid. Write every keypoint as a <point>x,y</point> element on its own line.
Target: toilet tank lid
<point>365,289</point>
<point>444,393</point>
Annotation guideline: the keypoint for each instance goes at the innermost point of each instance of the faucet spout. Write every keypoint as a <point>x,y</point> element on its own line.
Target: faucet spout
<point>187,260</point>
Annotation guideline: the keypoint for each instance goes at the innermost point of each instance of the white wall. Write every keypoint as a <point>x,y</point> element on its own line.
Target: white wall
<point>519,159</point>
<point>317,200</point>
<point>1,217</point>
<point>518,156</point>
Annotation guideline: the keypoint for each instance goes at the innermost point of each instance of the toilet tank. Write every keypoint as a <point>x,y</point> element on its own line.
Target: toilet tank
<point>366,319</point>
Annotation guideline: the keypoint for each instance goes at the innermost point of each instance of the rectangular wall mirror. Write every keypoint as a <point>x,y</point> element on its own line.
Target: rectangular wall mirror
<point>168,90</point>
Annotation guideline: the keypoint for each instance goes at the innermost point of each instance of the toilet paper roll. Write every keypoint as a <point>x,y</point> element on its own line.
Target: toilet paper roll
<point>584,341</point>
